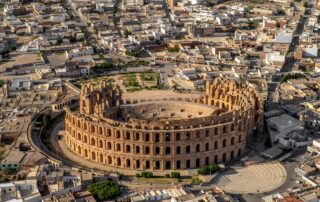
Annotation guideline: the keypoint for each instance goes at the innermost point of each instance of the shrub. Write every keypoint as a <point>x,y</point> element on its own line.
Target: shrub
<point>210,169</point>
<point>167,176</point>
<point>175,49</point>
<point>175,175</point>
<point>105,190</point>
<point>147,174</point>
<point>138,175</point>
<point>196,180</point>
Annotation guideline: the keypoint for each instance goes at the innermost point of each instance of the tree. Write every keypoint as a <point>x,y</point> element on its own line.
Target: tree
<point>210,169</point>
<point>105,190</point>
<point>175,175</point>
<point>147,174</point>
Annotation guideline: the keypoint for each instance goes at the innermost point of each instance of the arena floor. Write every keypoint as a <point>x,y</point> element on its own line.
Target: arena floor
<point>252,179</point>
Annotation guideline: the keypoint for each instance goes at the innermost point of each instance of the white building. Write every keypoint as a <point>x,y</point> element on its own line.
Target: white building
<point>284,36</point>
<point>79,52</point>
<point>25,191</point>
<point>274,58</point>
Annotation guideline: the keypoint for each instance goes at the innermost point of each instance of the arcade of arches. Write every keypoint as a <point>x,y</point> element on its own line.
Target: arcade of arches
<point>164,134</point>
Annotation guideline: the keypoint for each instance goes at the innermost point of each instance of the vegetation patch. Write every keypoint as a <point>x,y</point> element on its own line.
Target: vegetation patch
<point>208,170</point>
<point>106,190</point>
<point>292,76</point>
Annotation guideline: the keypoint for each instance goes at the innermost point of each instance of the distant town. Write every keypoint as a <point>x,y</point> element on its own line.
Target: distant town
<point>159,100</point>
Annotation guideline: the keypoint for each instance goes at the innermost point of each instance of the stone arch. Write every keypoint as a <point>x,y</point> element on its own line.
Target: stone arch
<point>198,162</point>
<point>93,130</point>
<point>85,139</point>
<point>100,131</point>
<point>85,126</point>
<point>168,151</point>
<point>128,135</point>
<point>147,150</point>
<point>224,143</point>
<point>118,162</point>
<point>79,124</point>
<point>101,158</point>
<point>178,164</point>
<point>167,137</point>
<point>109,146</point>
<point>157,137</point>
<point>100,143</point>
<point>137,136</point>
<point>188,164</point>
<point>239,153</point>
<point>128,163</point>
<point>198,148</point>
<point>197,134</point>
<point>109,160</point>
<point>137,149</point>
<point>231,155</point>
<point>147,137</point>
<point>178,136</point>
<point>188,149</point>
<point>93,141</point>
<point>232,141</point>
<point>128,148</point>
<point>178,150</point>
<point>108,132</point>
<point>240,138</point>
<point>207,146</point>
<point>216,145</point>
<point>207,161</point>
<point>86,153</point>
<point>157,150</point>
<point>138,164</point>
<point>118,134</point>
<point>79,136</point>
<point>188,136</point>
<point>224,157</point>
<point>168,165</point>
<point>118,147</point>
<point>79,149</point>
<point>93,156</point>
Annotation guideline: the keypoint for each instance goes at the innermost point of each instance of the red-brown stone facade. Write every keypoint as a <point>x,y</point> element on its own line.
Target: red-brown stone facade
<point>105,131</point>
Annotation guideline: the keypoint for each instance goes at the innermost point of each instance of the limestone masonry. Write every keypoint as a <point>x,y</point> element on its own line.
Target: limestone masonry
<point>164,134</point>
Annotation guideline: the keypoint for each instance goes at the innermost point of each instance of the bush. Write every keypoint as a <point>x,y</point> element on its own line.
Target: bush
<point>175,175</point>
<point>210,169</point>
<point>134,53</point>
<point>138,175</point>
<point>105,190</point>
<point>293,76</point>
<point>176,49</point>
<point>196,180</point>
<point>167,176</point>
<point>147,174</point>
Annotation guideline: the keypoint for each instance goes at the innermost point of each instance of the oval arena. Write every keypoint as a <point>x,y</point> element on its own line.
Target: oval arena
<point>168,134</point>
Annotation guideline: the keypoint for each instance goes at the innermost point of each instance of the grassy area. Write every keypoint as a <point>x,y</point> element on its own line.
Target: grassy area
<point>148,76</point>
<point>130,82</point>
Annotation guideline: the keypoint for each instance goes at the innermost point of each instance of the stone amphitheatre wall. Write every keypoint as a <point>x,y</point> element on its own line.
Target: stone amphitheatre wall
<point>97,134</point>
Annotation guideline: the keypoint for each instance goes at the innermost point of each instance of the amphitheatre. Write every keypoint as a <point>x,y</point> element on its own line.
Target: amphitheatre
<point>163,133</point>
